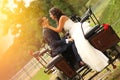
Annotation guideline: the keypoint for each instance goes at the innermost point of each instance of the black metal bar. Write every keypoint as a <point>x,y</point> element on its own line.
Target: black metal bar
<point>95,18</point>
<point>94,75</point>
<point>81,69</point>
<point>86,72</point>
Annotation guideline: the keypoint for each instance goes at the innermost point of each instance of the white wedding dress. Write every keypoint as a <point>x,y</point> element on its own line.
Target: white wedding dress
<point>91,56</point>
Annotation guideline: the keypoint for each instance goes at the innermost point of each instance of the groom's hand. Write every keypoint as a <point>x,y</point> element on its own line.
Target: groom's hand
<point>70,40</point>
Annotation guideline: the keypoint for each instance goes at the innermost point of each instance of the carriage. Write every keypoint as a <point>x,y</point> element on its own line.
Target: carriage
<point>101,36</point>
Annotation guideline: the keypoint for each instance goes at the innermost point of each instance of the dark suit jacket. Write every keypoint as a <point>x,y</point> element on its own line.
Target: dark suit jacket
<point>59,46</point>
<point>54,41</point>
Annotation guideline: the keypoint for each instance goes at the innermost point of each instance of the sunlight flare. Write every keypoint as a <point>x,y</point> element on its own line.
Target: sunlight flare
<point>7,40</point>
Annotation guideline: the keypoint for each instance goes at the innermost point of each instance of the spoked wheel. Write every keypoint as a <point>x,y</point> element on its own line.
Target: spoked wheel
<point>61,76</point>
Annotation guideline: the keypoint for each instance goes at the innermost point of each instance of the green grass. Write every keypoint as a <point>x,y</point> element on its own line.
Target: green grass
<point>111,15</point>
<point>99,9</point>
<point>41,75</point>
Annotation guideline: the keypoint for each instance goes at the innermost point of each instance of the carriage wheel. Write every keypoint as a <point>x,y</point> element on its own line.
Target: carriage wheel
<point>78,77</point>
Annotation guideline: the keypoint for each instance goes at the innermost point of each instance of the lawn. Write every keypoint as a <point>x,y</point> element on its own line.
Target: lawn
<point>41,75</point>
<point>111,15</point>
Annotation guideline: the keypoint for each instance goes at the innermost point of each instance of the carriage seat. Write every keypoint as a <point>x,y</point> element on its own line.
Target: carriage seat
<point>92,31</point>
<point>54,60</point>
<point>50,65</point>
<point>60,63</point>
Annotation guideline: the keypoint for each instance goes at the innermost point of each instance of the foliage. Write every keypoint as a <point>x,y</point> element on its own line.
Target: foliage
<point>29,36</point>
<point>79,6</point>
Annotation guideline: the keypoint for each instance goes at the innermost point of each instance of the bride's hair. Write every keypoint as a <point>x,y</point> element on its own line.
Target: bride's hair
<point>57,13</point>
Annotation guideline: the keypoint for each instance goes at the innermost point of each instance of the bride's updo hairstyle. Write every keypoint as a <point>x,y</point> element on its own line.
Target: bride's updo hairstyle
<point>57,13</point>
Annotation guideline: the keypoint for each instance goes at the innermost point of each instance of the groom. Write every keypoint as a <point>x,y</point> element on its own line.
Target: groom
<point>65,47</point>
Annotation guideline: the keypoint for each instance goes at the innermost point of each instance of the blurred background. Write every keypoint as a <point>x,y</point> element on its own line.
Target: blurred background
<point>20,32</point>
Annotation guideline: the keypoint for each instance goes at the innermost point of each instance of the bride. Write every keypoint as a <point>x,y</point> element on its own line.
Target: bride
<point>91,56</point>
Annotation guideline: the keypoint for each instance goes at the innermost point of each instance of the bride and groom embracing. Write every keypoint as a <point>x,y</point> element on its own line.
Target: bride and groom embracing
<point>89,55</point>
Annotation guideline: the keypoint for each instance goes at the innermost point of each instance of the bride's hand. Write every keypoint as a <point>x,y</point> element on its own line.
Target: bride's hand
<point>70,39</point>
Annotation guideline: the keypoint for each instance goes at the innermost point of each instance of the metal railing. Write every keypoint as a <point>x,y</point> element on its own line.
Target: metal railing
<point>28,71</point>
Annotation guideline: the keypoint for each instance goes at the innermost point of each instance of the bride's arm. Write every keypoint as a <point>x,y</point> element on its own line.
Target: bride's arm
<point>60,24</point>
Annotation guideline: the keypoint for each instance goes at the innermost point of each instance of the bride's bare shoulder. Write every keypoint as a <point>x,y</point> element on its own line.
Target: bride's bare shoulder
<point>64,17</point>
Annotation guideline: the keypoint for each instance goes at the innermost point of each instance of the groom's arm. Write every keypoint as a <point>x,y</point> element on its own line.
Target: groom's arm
<point>51,40</point>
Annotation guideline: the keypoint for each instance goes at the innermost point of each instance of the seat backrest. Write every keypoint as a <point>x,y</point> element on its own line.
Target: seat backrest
<point>92,31</point>
<point>60,63</point>
<point>105,39</point>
